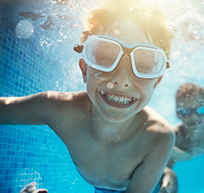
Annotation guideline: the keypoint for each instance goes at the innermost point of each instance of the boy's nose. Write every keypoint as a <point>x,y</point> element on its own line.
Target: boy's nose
<point>193,116</point>
<point>122,74</point>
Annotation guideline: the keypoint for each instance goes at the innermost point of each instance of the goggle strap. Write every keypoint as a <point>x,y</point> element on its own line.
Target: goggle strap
<point>167,65</point>
<point>78,48</point>
<point>87,32</point>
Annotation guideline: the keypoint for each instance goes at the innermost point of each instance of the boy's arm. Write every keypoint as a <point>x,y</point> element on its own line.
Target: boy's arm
<point>179,155</point>
<point>148,173</point>
<point>34,109</point>
<point>169,182</point>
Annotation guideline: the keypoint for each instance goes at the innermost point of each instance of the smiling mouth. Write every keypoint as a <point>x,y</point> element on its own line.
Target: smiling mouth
<point>115,100</point>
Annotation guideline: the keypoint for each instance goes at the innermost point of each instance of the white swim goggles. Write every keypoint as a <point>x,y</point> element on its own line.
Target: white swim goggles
<point>104,53</point>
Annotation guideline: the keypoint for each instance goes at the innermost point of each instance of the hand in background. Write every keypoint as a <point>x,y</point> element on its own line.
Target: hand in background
<point>31,188</point>
<point>168,182</point>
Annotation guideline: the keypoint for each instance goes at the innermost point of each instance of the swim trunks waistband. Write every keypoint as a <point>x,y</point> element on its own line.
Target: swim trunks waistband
<point>102,190</point>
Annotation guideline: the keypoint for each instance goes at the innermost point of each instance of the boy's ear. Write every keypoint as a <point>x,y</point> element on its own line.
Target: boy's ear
<point>157,82</point>
<point>83,67</point>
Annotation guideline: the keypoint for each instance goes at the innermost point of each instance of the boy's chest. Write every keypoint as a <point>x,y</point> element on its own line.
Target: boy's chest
<point>101,164</point>
<point>104,164</point>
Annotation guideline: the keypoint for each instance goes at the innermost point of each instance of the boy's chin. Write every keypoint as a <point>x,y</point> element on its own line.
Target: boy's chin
<point>115,119</point>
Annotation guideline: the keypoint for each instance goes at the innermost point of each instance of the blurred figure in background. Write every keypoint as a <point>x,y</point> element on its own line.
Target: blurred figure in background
<point>189,134</point>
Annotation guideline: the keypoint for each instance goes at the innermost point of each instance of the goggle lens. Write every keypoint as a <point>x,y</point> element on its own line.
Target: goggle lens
<point>148,61</point>
<point>102,52</point>
<point>185,112</point>
<point>200,110</point>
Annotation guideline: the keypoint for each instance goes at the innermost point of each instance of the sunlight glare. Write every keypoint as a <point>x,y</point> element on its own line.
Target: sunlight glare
<point>163,2</point>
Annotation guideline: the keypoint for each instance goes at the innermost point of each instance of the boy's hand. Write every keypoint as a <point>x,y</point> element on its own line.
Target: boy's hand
<point>169,182</point>
<point>31,188</point>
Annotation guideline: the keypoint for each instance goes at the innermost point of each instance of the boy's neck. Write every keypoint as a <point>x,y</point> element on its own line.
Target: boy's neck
<point>103,128</point>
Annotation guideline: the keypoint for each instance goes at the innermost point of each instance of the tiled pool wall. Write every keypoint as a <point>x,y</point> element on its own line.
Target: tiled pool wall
<point>30,153</point>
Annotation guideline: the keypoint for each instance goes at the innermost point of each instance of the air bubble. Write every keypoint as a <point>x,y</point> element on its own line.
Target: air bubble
<point>24,29</point>
<point>116,32</point>
<point>110,85</point>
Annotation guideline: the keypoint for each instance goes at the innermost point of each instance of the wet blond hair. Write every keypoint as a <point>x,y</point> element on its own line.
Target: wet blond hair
<point>150,20</point>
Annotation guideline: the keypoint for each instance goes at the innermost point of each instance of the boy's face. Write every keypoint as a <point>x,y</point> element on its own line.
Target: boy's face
<point>120,94</point>
<point>189,105</point>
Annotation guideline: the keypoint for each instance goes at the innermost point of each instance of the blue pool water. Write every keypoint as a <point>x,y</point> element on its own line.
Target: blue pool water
<point>36,41</point>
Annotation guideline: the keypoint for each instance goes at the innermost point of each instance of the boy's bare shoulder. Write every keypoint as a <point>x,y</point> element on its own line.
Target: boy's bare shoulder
<point>158,126</point>
<point>64,104</point>
<point>64,96</point>
<point>156,119</point>
<point>67,98</point>
<point>63,111</point>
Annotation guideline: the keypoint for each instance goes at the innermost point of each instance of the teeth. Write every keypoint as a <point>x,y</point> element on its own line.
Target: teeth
<point>116,98</point>
<point>119,100</point>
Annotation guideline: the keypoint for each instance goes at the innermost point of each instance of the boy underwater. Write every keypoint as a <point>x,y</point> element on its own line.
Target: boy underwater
<point>117,143</point>
<point>189,134</point>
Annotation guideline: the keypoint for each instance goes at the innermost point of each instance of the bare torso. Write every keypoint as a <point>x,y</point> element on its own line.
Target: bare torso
<point>107,154</point>
<point>114,165</point>
<point>105,158</point>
